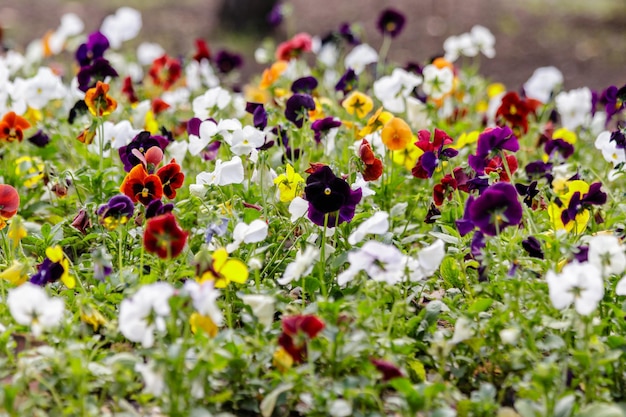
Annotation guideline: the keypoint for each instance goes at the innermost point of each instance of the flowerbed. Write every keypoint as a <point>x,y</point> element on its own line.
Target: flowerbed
<point>338,236</point>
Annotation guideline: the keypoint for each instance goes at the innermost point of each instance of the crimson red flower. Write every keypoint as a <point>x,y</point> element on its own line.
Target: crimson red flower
<point>171,178</point>
<point>496,164</point>
<point>159,105</point>
<point>388,369</point>
<point>297,330</point>
<point>9,201</point>
<point>12,127</point>
<point>515,110</point>
<point>373,166</point>
<point>434,152</point>
<point>141,186</point>
<point>164,237</point>
<point>165,71</point>
<point>445,189</point>
<point>294,47</point>
<point>129,91</point>
<point>202,51</point>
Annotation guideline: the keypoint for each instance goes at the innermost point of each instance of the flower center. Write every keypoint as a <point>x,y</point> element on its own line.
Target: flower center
<point>327,191</point>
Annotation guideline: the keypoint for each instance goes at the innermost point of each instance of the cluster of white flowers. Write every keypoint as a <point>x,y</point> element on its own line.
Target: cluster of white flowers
<point>478,40</point>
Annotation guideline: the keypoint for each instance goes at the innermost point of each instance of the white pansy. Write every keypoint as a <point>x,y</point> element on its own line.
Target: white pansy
<point>574,106</point>
<point>484,40</point>
<point>430,257</point>
<point>204,296</point>
<point>462,330</point>
<point>360,56</point>
<point>122,26</point>
<point>359,182</point>
<point>609,149</point>
<point>43,87</point>
<point>607,254</point>
<point>417,114</point>
<point>30,306</point>
<point>578,283</point>
<point>225,173</point>
<point>543,82</point>
<point>262,307</point>
<point>340,408</point>
<point>116,135</point>
<point>378,224</point>
<point>438,82</point>
<point>147,52</point>
<point>392,90</point>
<point>144,313</point>
<point>328,54</point>
<point>209,130</point>
<point>199,74</point>
<point>461,45</point>
<point>71,25</point>
<point>254,232</point>
<point>217,97</point>
<point>381,262</point>
<point>245,141</point>
<point>301,266</point>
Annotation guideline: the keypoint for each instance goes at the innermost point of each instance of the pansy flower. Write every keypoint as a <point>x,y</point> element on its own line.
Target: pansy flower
<point>391,22</point>
<point>171,178</point>
<point>297,331</point>
<point>376,122</point>
<point>141,186</point>
<point>259,114</point>
<point>496,208</point>
<point>496,165</point>
<point>388,369</point>
<point>290,184</point>
<point>297,107</point>
<point>54,267</point>
<point>294,47</point>
<point>12,127</point>
<point>515,110</point>
<point>165,71</point>
<point>330,195</point>
<point>373,166</point>
<point>202,51</point>
<point>129,91</point>
<point>140,143</point>
<point>98,100</point>
<point>94,48</point>
<point>222,270</point>
<point>117,211</point>
<point>226,61</point>
<point>272,74</point>
<point>164,237</point>
<point>444,190</point>
<point>30,306</point>
<point>570,210</point>
<point>433,152</point>
<point>396,134</point>
<point>39,139</point>
<point>157,208</point>
<point>347,81</point>
<point>323,126</point>
<point>358,104</point>
<point>491,142</point>
<point>99,69</point>
<point>9,203</point>
<point>304,85</point>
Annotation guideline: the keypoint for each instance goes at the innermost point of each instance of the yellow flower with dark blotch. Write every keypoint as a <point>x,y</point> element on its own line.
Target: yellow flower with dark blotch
<point>98,101</point>
<point>407,156</point>
<point>92,317</point>
<point>376,122</point>
<point>16,231</point>
<point>224,270</point>
<point>396,134</point>
<point>290,184</point>
<point>358,104</point>
<point>565,134</point>
<point>198,321</point>
<point>16,274</point>
<point>555,210</point>
<point>56,255</point>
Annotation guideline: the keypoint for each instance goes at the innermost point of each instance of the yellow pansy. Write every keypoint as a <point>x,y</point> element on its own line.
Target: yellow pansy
<point>466,139</point>
<point>31,170</point>
<point>224,270</point>
<point>290,184</point>
<point>150,123</point>
<point>198,321</point>
<point>396,134</point>
<point>16,274</point>
<point>555,210</point>
<point>407,157</point>
<point>282,360</point>
<point>358,104</point>
<point>376,122</point>
<point>16,231</point>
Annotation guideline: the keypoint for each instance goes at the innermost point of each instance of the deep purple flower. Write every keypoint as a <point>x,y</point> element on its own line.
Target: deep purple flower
<point>297,108</point>
<point>210,152</point>
<point>477,244</point>
<point>537,170</point>
<point>533,247</point>
<point>39,139</point>
<point>496,208</point>
<point>582,254</point>
<point>391,22</point>
<point>465,225</point>
<point>347,82</point>
<point>413,67</point>
<point>156,208</point>
<point>118,210</point>
<point>98,70</point>
<point>259,115</point>
<point>47,272</point>
<point>491,142</point>
<point>345,31</point>
<point>577,203</point>
<point>193,126</point>
<point>330,195</point>
<point>227,61</point>
<point>322,126</point>
<point>565,149</point>
<point>142,142</point>
<point>304,85</point>
<point>275,16</point>
<point>94,48</point>
<point>619,138</point>
<point>611,102</point>
<point>529,192</point>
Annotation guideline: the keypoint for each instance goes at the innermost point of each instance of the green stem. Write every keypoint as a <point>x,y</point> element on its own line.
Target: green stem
<point>322,263</point>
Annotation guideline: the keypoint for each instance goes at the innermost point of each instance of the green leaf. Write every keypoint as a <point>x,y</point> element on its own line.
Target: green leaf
<point>565,406</point>
<point>601,410</point>
<point>269,402</point>
<point>480,305</point>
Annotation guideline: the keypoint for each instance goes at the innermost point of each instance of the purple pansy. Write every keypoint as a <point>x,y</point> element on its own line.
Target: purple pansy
<point>39,139</point>
<point>117,210</point>
<point>533,247</point>
<point>226,61</point>
<point>259,115</point>
<point>496,208</point>
<point>297,108</point>
<point>391,22</point>
<point>491,142</point>
<point>94,48</point>
<point>142,142</point>
<point>330,195</point>
<point>323,126</point>
<point>347,82</point>
<point>304,85</point>
<point>98,70</point>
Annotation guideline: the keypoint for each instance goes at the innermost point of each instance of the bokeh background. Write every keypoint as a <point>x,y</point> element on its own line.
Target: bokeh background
<point>585,39</point>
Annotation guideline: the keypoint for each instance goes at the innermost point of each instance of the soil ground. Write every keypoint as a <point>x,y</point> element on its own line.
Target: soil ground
<point>586,40</point>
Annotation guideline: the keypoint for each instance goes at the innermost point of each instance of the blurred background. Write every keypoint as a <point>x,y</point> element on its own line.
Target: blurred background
<point>585,39</point>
